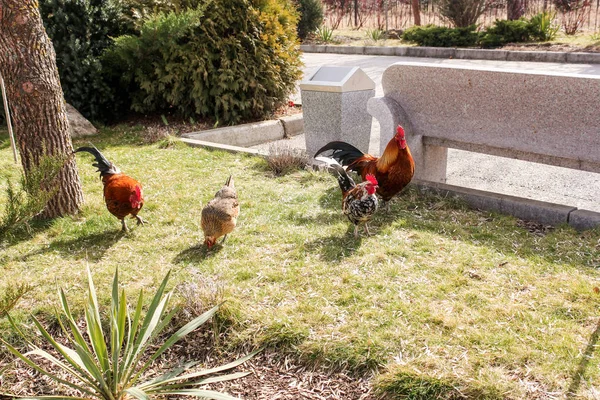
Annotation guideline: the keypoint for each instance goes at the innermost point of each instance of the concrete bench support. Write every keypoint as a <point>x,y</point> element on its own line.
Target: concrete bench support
<point>430,160</point>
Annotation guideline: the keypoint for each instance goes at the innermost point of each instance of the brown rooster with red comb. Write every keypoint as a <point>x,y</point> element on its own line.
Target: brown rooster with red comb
<point>393,170</point>
<point>122,194</point>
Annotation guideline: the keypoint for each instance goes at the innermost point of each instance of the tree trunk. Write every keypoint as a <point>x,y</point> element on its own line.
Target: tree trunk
<point>515,9</point>
<point>416,12</point>
<point>38,109</point>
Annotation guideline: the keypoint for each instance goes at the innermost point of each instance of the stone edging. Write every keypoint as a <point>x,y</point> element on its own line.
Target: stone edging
<point>474,54</point>
<point>520,207</point>
<point>251,134</point>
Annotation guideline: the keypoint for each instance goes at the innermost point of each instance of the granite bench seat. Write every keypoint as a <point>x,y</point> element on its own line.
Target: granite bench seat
<point>551,118</point>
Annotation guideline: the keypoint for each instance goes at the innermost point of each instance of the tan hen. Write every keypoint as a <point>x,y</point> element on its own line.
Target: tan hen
<point>219,217</point>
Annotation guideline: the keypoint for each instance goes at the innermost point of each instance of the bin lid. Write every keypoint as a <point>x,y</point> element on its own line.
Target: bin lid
<point>337,79</point>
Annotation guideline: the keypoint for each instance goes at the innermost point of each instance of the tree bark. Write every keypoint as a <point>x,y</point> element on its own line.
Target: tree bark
<point>515,9</point>
<point>416,12</point>
<point>38,108</point>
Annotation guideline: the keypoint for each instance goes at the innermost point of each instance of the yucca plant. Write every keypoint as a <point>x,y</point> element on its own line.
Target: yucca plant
<point>543,26</point>
<point>115,368</point>
<point>375,34</point>
<point>325,34</point>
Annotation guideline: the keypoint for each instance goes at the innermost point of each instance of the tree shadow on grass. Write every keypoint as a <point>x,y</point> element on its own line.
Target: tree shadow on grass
<point>14,236</point>
<point>583,363</point>
<point>197,253</point>
<point>91,247</point>
<point>452,218</point>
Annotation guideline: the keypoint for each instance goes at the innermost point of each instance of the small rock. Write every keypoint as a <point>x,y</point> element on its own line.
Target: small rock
<point>394,34</point>
<point>79,125</point>
<point>474,275</point>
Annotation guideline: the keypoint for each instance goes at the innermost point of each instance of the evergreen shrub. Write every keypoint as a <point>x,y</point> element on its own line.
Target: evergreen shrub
<point>540,27</point>
<point>229,60</point>
<point>462,13</point>
<point>504,31</point>
<point>80,31</point>
<point>135,12</point>
<point>441,36</point>
<point>311,17</point>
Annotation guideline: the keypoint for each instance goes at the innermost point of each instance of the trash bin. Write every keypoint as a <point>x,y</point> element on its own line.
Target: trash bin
<point>334,104</point>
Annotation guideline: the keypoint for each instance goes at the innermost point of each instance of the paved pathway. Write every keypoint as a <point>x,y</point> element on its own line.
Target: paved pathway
<point>479,171</point>
<point>375,65</point>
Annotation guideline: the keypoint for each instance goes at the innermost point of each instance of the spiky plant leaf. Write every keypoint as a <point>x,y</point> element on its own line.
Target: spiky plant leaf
<point>109,370</point>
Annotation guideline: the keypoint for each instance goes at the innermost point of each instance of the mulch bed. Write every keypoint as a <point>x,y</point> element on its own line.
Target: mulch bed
<point>274,377</point>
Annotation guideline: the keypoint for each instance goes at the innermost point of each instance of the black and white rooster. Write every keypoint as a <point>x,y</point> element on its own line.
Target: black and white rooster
<point>359,202</point>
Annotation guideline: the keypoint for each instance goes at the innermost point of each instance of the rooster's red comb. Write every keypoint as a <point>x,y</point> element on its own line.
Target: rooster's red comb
<point>400,131</point>
<point>371,178</point>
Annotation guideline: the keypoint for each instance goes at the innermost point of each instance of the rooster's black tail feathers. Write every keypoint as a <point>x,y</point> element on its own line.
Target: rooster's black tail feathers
<point>104,166</point>
<point>346,183</point>
<point>343,152</point>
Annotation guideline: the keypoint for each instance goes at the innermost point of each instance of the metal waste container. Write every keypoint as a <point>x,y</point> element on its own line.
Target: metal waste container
<point>334,105</point>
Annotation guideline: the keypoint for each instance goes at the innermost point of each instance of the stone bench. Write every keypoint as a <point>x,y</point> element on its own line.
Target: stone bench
<point>551,118</point>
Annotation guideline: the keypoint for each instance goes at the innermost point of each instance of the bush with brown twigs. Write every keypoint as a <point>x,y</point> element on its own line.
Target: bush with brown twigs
<point>283,159</point>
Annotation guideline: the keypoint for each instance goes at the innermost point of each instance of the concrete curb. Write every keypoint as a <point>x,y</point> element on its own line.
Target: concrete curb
<point>522,208</point>
<point>473,54</point>
<point>251,134</point>
<point>584,219</point>
<point>220,146</point>
<point>293,125</point>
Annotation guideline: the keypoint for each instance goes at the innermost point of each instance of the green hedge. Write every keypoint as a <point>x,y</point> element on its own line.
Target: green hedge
<point>229,60</point>
<point>441,36</point>
<point>504,31</point>
<point>80,31</point>
<point>311,17</point>
<point>539,27</point>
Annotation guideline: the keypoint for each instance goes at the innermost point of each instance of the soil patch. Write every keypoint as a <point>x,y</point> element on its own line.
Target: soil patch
<point>563,47</point>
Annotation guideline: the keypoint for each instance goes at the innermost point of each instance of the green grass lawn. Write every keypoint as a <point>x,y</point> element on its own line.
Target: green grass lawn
<point>440,300</point>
